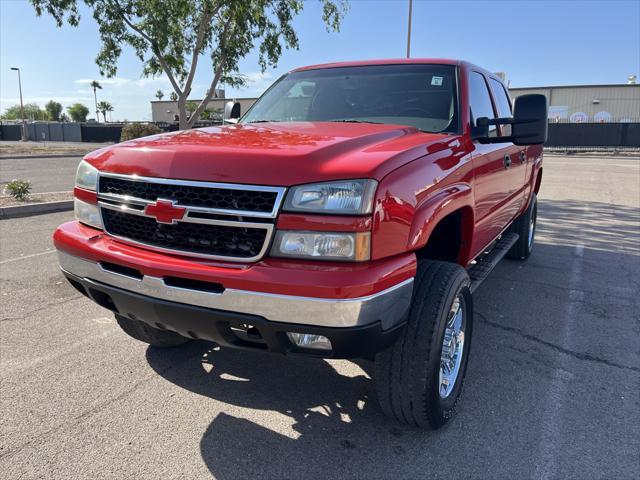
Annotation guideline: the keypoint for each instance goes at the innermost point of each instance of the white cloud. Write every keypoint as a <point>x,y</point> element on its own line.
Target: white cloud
<point>257,83</point>
<point>42,100</point>
<point>257,77</point>
<point>158,82</point>
<point>116,81</point>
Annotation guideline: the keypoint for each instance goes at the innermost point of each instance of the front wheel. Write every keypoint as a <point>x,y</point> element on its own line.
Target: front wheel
<point>419,378</point>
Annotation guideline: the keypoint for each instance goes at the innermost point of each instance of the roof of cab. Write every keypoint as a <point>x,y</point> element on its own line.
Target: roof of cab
<point>387,61</point>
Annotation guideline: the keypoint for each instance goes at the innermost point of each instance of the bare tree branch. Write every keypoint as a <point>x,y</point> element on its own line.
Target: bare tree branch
<point>216,78</point>
<point>206,18</point>
<point>154,47</point>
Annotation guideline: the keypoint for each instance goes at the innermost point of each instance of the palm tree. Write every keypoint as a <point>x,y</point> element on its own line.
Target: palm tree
<point>96,86</point>
<point>173,97</point>
<point>159,95</point>
<point>105,107</point>
<point>109,109</point>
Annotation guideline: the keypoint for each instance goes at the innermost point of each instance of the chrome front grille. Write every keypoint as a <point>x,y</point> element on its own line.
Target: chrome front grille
<point>216,221</point>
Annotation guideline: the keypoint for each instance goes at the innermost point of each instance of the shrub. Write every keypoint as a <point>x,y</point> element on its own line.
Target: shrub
<point>137,130</point>
<point>18,189</point>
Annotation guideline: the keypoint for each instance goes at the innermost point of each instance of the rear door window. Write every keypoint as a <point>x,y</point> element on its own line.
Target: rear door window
<point>480,100</point>
<point>502,102</point>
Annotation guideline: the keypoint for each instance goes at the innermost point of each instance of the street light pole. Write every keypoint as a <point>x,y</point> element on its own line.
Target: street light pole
<point>409,30</point>
<point>24,122</point>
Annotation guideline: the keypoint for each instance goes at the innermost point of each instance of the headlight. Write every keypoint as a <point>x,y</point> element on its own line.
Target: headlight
<point>87,176</point>
<point>88,213</point>
<point>323,246</point>
<point>347,197</point>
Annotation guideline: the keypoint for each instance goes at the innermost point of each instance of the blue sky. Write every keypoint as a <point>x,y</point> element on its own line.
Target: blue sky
<point>534,42</point>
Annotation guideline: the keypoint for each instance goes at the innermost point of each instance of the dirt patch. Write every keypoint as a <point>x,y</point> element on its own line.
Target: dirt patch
<point>47,148</point>
<point>6,201</point>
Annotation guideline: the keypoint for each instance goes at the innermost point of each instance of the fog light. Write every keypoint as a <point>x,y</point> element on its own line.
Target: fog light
<point>307,340</point>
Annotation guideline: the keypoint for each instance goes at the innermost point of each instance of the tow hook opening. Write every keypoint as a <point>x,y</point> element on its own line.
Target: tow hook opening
<point>247,332</point>
<point>103,300</point>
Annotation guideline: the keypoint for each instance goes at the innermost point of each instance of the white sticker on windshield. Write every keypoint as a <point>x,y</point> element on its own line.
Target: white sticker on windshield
<point>436,81</point>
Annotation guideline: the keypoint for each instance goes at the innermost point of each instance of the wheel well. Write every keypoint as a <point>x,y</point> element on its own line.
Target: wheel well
<point>446,240</point>
<point>538,182</point>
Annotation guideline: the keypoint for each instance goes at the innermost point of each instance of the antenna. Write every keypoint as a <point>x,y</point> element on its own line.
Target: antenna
<point>409,30</point>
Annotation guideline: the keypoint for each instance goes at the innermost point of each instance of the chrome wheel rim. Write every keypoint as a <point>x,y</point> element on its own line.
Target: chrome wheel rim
<point>532,229</point>
<point>532,226</point>
<point>452,348</point>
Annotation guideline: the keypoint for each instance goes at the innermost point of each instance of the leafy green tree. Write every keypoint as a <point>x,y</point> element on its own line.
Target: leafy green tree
<point>53,109</point>
<point>159,95</point>
<point>105,107</point>
<point>31,112</point>
<point>78,112</point>
<point>96,86</point>
<point>169,37</point>
<point>173,97</point>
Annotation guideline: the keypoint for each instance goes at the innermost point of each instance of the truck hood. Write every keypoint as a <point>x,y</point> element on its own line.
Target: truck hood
<point>281,154</point>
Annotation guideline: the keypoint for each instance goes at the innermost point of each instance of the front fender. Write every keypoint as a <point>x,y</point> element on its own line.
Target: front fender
<point>411,200</point>
<point>430,212</point>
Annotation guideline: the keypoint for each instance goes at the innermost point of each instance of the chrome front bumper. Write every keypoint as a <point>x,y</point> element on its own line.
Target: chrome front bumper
<point>389,306</point>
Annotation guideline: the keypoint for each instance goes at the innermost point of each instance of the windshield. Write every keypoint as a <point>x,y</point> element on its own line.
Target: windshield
<point>421,96</point>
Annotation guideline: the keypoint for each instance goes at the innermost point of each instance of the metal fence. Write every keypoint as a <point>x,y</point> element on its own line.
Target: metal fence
<point>615,135</point>
<point>583,135</point>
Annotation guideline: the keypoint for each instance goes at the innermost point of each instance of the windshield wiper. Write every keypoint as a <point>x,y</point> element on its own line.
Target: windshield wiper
<point>353,120</point>
<point>263,121</point>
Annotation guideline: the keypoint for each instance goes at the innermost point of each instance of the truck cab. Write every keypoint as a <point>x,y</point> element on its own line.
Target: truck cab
<point>351,212</point>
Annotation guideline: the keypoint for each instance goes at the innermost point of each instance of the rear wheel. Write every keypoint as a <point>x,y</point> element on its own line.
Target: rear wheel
<point>525,227</point>
<point>146,333</point>
<point>419,378</point>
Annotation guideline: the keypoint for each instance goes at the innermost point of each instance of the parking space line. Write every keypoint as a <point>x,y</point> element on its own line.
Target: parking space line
<point>547,465</point>
<point>24,257</point>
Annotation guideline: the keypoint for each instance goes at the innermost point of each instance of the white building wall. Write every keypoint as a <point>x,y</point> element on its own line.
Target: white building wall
<point>590,103</point>
<point>165,111</point>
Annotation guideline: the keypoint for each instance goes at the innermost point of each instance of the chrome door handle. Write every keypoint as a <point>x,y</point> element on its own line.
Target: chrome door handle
<point>507,161</point>
<point>523,157</point>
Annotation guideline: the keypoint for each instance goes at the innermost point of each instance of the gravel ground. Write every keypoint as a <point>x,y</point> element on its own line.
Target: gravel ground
<point>13,148</point>
<point>551,391</point>
<point>6,201</point>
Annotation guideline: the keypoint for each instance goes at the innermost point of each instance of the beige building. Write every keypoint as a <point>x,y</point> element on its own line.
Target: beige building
<point>166,111</point>
<point>589,103</point>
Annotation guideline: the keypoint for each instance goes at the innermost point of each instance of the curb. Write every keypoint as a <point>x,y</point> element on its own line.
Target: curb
<point>50,155</point>
<point>35,209</point>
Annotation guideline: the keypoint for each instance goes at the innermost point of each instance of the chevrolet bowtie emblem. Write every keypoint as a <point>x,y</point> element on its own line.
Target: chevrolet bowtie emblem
<point>165,211</point>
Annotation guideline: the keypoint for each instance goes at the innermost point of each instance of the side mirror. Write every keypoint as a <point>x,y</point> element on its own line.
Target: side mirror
<point>528,126</point>
<point>530,121</point>
<point>231,112</point>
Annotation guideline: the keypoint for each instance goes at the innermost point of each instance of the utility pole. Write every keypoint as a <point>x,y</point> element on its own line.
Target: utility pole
<point>24,122</point>
<point>409,30</point>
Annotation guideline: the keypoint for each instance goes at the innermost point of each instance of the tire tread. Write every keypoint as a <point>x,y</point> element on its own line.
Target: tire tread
<point>403,373</point>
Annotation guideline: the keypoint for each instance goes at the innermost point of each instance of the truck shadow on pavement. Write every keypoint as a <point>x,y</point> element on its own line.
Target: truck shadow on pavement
<point>287,417</point>
<point>320,421</point>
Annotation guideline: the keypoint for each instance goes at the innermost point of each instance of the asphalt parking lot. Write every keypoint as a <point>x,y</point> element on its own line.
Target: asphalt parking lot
<point>552,388</point>
<point>46,174</point>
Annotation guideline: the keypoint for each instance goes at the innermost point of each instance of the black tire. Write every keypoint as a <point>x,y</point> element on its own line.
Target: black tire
<point>523,225</point>
<point>146,333</point>
<point>407,373</point>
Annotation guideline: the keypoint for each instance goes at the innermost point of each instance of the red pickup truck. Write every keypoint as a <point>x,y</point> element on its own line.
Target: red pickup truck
<point>350,213</point>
